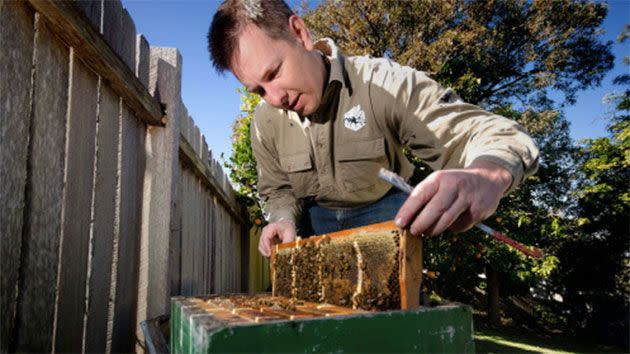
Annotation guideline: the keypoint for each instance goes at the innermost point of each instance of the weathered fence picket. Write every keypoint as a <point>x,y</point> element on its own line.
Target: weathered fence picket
<point>105,229</point>
<point>112,201</point>
<point>132,162</point>
<point>15,111</point>
<point>44,193</point>
<point>76,209</point>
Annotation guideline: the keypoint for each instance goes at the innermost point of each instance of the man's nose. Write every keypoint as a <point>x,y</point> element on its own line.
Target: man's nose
<point>277,98</point>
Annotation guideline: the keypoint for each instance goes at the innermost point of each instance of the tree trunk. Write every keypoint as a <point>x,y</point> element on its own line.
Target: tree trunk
<point>493,295</point>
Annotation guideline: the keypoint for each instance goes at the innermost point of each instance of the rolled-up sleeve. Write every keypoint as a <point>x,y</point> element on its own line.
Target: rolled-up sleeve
<point>274,187</point>
<point>446,132</point>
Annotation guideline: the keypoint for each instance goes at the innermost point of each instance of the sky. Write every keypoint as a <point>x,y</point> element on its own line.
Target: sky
<point>212,99</point>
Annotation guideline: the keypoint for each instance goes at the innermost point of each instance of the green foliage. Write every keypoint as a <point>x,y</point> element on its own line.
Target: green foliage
<point>546,267</point>
<point>607,166</point>
<point>607,160</point>
<point>242,164</point>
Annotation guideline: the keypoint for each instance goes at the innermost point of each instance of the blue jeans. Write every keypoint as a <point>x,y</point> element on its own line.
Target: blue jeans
<point>317,220</point>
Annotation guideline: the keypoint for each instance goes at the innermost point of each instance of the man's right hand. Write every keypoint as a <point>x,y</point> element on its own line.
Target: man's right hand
<point>276,232</point>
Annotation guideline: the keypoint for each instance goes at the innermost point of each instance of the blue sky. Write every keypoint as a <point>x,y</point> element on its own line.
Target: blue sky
<point>213,102</point>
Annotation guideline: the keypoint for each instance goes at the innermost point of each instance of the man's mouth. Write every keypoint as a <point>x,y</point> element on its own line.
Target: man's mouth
<point>294,104</point>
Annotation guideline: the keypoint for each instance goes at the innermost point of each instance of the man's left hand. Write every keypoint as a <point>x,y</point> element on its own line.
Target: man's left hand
<point>454,199</point>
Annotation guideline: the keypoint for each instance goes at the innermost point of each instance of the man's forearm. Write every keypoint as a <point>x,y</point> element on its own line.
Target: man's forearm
<point>496,173</point>
<point>282,207</point>
<point>282,215</point>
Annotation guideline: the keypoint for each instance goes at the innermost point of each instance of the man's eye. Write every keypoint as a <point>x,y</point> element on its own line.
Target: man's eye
<point>260,92</point>
<point>275,73</point>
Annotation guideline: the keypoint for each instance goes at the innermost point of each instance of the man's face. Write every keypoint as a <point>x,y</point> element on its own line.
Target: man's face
<point>287,74</point>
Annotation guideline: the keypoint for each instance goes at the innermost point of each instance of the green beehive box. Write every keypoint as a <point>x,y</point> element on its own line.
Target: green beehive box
<point>197,327</point>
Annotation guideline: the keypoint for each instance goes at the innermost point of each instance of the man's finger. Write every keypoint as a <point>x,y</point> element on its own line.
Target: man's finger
<point>265,240</point>
<point>261,246</point>
<point>439,204</point>
<point>448,218</point>
<point>463,223</point>
<point>260,243</point>
<point>287,235</point>
<point>423,192</point>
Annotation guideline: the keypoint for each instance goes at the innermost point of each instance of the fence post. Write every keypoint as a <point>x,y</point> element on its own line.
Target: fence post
<point>161,176</point>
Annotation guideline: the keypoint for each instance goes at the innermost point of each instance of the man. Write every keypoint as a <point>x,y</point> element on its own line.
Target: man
<point>329,123</point>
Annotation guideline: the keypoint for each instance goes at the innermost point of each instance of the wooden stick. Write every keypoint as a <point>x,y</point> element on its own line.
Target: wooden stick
<point>291,315</point>
<point>256,316</point>
<point>410,260</point>
<point>384,226</point>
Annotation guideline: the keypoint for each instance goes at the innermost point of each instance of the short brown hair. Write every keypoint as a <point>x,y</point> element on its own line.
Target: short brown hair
<point>272,16</point>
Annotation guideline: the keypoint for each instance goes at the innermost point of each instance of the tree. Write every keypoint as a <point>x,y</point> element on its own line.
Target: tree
<point>489,51</point>
<point>242,164</point>
<point>594,273</point>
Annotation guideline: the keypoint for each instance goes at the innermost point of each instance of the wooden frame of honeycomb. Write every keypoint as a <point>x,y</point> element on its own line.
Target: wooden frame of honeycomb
<point>375,267</point>
<point>246,309</point>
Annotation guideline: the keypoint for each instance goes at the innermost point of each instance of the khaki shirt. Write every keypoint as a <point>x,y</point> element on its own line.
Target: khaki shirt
<point>369,110</point>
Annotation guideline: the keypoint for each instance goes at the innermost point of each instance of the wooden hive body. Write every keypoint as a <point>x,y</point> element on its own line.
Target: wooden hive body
<point>273,324</point>
<point>376,267</point>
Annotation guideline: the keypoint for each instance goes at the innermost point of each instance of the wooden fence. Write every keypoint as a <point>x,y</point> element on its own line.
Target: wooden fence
<point>111,200</point>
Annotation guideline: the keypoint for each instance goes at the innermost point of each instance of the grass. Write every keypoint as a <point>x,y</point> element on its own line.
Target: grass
<point>506,339</point>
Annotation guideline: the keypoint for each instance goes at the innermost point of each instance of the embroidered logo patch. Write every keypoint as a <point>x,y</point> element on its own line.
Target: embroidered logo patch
<point>354,119</point>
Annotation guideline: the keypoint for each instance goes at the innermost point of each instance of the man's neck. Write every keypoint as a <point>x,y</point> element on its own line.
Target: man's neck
<point>326,75</point>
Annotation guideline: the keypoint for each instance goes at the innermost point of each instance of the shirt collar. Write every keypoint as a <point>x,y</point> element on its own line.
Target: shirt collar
<point>337,63</point>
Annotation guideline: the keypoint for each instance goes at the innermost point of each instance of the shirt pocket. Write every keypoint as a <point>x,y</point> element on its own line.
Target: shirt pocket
<point>299,168</point>
<point>359,163</point>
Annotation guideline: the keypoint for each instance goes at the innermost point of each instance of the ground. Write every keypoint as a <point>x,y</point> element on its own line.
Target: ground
<point>514,339</point>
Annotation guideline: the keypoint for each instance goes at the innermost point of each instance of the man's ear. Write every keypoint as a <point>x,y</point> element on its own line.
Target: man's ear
<point>302,35</point>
